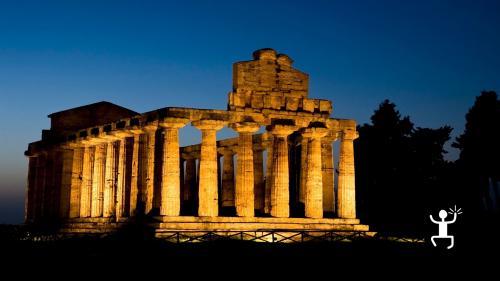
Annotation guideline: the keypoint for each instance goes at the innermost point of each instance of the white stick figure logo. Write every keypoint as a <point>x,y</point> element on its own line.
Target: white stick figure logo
<point>443,225</point>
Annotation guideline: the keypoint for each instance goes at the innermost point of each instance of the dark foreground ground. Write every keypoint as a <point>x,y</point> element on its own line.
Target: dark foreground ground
<point>476,252</point>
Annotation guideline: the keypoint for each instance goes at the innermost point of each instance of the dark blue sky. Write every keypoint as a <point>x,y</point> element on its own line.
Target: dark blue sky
<point>430,58</point>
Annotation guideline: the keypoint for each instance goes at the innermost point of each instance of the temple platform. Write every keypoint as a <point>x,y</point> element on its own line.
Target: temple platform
<point>197,229</point>
<point>258,229</point>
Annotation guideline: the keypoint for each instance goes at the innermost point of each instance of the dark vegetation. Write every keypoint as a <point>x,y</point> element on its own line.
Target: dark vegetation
<point>402,176</point>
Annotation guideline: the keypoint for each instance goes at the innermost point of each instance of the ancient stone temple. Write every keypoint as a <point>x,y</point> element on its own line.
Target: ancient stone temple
<point>101,165</point>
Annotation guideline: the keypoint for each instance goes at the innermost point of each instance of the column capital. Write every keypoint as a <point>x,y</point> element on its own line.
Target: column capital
<point>173,122</point>
<point>349,135</point>
<point>150,128</point>
<point>314,132</point>
<point>281,130</point>
<point>209,124</point>
<point>245,127</point>
<point>225,150</point>
<point>122,134</point>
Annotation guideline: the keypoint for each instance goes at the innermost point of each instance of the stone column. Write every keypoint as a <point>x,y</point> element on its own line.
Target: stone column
<point>98,180</point>
<point>280,194</point>
<point>48,192</point>
<point>121,180</point>
<point>227,177</point>
<point>313,195</point>
<point>181,178</point>
<point>29,205</point>
<point>39,185</point>
<point>244,190</point>
<point>303,168</point>
<point>190,178</point>
<point>66,175</point>
<point>76,182</point>
<point>269,174</point>
<point>346,186</point>
<point>134,179</point>
<point>109,195</point>
<point>170,184</point>
<point>208,197</point>
<point>149,168</point>
<point>258,167</point>
<point>86,190</point>
<point>327,167</point>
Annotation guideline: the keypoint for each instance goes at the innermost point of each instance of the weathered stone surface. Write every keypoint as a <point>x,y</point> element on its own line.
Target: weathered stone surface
<point>96,178</point>
<point>280,196</point>
<point>313,195</point>
<point>148,171</point>
<point>170,185</point>
<point>134,181</point>
<point>86,194</point>
<point>76,182</point>
<point>346,189</point>
<point>208,193</point>
<point>269,174</point>
<point>121,181</point>
<point>266,82</point>
<point>308,105</point>
<point>67,167</point>
<point>244,190</point>
<point>228,178</point>
<point>327,171</point>
<point>190,184</point>
<point>110,180</point>
<point>259,189</point>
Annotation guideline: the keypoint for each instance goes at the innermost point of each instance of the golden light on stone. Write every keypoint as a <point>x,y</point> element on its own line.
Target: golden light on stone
<point>102,165</point>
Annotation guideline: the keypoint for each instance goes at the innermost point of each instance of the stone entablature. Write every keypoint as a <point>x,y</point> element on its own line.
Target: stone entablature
<point>135,166</point>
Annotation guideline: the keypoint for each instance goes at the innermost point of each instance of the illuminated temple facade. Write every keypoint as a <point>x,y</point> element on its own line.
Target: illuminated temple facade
<point>101,165</point>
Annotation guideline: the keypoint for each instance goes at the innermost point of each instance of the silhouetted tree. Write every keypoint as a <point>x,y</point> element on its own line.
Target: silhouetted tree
<point>479,161</point>
<point>398,169</point>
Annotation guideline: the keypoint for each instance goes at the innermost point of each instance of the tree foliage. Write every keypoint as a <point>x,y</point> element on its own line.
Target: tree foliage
<point>398,169</point>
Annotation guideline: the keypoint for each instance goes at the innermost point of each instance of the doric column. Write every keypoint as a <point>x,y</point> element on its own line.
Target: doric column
<point>280,195</point>
<point>208,201</point>
<point>110,180</point>
<point>258,174</point>
<point>327,168</point>
<point>86,189</point>
<point>269,174</point>
<point>67,166</point>
<point>121,181</point>
<point>303,168</point>
<point>29,205</point>
<point>39,185</point>
<point>134,179</point>
<point>76,182</point>
<point>149,168</point>
<point>48,194</point>
<point>313,195</point>
<point>244,190</point>
<point>190,178</point>
<point>181,177</point>
<point>170,184</point>
<point>346,186</point>
<point>98,180</point>
<point>227,196</point>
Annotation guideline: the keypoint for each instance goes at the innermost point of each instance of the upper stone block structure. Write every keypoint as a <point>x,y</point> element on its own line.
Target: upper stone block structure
<point>101,165</point>
<point>270,83</point>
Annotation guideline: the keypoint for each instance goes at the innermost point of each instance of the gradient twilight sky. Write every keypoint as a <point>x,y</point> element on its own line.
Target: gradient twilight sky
<point>429,57</point>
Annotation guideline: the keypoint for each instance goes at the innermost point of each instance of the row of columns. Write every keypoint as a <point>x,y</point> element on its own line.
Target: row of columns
<point>103,179</point>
